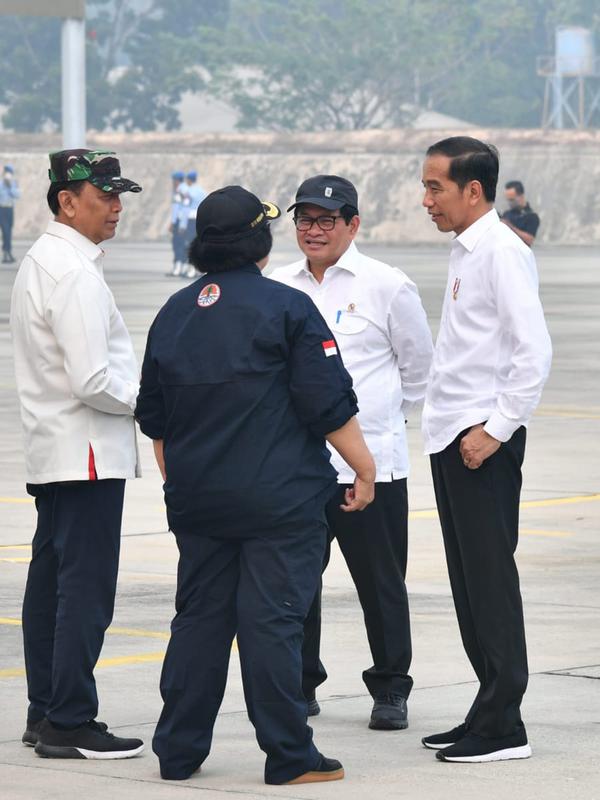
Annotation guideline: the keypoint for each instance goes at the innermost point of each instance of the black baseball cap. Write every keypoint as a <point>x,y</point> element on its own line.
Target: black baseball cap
<point>231,214</point>
<point>328,191</point>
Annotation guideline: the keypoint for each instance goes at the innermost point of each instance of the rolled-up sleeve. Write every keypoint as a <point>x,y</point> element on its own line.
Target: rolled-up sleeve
<point>150,408</point>
<point>320,386</point>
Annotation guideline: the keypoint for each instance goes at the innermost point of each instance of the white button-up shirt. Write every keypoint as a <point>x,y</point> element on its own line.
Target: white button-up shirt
<point>376,315</point>
<point>493,352</point>
<point>77,375</point>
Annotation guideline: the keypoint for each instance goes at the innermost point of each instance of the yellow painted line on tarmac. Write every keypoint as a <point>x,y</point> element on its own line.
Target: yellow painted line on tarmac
<point>431,514</point>
<point>15,547</point>
<point>17,500</point>
<point>550,534</point>
<point>12,673</point>
<point>21,560</point>
<point>9,621</point>
<point>561,501</point>
<point>142,658</point>
<point>567,414</point>
<point>138,632</point>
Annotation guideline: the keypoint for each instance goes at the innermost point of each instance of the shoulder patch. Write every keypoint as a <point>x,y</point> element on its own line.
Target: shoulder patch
<point>209,295</point>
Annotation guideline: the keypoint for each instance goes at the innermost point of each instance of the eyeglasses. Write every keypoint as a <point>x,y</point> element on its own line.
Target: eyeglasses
<point>325,223</point>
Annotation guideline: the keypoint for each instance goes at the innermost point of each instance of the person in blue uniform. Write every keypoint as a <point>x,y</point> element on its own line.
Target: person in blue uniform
<point>9,194</point>
<point>178,235</point>
<point>242,384</point>
<point>194,195</point>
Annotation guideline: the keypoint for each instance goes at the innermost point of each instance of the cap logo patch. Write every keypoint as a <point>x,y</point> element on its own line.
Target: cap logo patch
<point>209,295</point>
<point>329,348</point>
<point>328,191</point>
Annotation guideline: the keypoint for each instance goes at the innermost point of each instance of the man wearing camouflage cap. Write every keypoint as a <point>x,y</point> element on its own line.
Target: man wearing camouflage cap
<point>77,380</point>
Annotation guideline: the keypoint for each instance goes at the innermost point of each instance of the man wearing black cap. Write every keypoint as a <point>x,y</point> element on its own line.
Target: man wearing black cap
<point>381,329</point>
<point>242,383</point>
<point>77,381</point>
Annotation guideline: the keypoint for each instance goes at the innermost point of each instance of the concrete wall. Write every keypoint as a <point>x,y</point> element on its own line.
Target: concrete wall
<point>560,170</point>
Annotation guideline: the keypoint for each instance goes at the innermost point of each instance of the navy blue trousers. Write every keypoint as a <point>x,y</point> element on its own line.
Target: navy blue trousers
<point>70,594</point>
<point>479,515</point>
<point>180,245</point>
<point>259,588</point>
<point>6,226</point>
<point>374,544</point>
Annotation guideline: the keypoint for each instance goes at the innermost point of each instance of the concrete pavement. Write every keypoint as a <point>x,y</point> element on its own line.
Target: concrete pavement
<point>559,559</point>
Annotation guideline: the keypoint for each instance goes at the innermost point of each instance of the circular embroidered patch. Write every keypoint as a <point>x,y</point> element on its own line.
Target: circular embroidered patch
<point>209,295</point>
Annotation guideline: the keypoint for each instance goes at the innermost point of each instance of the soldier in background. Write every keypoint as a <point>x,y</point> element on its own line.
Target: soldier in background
<point>178,235</point>
<point>195,194</point>
<point>9,193</point>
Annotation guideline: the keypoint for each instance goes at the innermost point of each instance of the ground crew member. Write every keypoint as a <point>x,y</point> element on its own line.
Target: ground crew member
<point>77,381</point>
<point>520,217</point>
<point>242,382</point>
<point>178,236</point>
<point>380,325</point>
<point>492,357</point>
<point>194,195</point>
<point>9,194</point>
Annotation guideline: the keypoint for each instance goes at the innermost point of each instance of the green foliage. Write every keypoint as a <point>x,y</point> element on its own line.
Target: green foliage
<point>140,58</point>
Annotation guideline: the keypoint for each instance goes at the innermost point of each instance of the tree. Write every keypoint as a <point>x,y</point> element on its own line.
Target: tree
<point>140,57</point>
<point>352,64</point>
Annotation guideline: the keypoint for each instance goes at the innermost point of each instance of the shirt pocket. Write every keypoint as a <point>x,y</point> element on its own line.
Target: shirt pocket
<point>350,332</point>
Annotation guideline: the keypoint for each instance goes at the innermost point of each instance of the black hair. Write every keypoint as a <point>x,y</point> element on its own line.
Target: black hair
<point>55,188</point>
<point>471,160</point>
<point>225,256</point>
<point>347,212</point>
<point>517,186</point>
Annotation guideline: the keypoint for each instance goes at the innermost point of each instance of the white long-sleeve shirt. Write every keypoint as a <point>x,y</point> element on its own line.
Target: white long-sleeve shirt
<point>76,372</point>
<point>493,352</point>
<point>377,318</point>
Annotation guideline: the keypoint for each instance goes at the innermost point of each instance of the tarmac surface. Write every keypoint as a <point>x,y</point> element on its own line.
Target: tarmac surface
<point>558,556</point>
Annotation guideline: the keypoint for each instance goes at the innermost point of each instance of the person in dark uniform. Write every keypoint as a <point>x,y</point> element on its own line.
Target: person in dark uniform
<point>242,384</point>
<point>520,217</point>
<point>178,235</point>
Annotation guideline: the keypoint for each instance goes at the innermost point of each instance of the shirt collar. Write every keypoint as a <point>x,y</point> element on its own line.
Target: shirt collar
<point>348,261</point>
<point>78,240</point>
<point>470,237</point>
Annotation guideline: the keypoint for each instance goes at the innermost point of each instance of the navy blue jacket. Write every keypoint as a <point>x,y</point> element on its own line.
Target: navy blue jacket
<point>242,380</point>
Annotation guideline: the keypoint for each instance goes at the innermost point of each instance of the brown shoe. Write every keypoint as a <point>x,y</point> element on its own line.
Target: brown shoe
<point>328,769</point>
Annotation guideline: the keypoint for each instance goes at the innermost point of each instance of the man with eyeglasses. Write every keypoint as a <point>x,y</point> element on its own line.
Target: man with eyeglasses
<point>381,330</point>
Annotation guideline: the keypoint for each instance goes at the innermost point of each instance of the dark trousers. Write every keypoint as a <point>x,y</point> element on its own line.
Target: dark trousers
<point>479,514</point>
<point>374,545</point>
<point>179,242</point>
<point>6,226</point>
<point>259,588</point>
<point>69,597</point>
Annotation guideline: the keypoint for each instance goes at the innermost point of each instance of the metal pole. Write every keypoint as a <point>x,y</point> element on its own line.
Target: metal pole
<point>73,83</point>
<point>557,101</point>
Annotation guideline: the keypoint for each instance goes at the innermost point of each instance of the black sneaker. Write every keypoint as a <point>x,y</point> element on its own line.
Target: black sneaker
<point>90,740</point>
<point>32,731</point>
<point>476,749</point>
<point>389,713</point>
<point>328,769</point>
<point>437,741</point>
<point>313,707</point>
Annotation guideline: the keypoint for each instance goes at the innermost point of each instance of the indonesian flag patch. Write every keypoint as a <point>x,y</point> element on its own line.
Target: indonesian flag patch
<point>209,295</point>
<point>329,348</point>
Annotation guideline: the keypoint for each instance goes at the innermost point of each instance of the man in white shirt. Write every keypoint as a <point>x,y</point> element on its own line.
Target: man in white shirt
<point>491,360</point>
<point>77,380</point>
<point>381,330</point>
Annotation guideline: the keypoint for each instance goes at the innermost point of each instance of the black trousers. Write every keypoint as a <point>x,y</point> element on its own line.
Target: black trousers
<point>259,588</point>
<point>6,226</point>
<point>479,514</point>
<point>70,594</point>
<point>374,543</point>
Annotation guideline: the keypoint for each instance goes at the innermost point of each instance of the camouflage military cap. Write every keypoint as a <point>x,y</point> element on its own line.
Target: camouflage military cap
<point>100,167</point>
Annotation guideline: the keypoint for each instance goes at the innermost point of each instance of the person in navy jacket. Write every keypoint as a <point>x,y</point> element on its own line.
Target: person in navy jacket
<point>242,384</point>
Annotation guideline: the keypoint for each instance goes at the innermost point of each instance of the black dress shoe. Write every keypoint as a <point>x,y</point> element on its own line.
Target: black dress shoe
<point>437,741</point>
<point>389,713</point>
<point>477,749</point>
<point>32,730</point>
<point>328,769</point>
<point>312,704</point>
